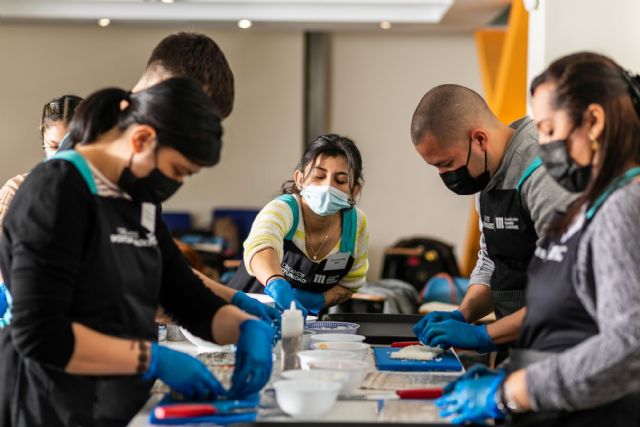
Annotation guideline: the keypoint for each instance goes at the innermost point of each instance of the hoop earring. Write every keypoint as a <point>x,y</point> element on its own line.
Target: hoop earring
<point>595,144</point>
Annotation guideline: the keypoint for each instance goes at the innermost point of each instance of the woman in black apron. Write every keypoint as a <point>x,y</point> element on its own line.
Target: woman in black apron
<point>309,245</point>
<point>577,362</point>
<point>88,261</point>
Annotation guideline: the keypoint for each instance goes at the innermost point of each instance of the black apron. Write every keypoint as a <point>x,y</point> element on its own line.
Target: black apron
<point>510,239</point>
<point>556,320</point>
<point>120,254</point>
<point>299,270</point>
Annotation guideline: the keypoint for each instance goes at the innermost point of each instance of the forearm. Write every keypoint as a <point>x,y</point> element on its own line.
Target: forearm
<point>265,264</point>
<point>506,330</point>
<point>337,295</point>
<point>224,292</point>
<point>477,302</point>
<point>225,324</point>
<point>95,353</point>
<point>515,388</point>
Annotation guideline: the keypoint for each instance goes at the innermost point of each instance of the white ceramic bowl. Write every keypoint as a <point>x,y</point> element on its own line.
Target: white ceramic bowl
<point>359,349</point>
<point>306,398</point>
<point>337,338</point>
<point>309,355</point>
<point>356,370</point>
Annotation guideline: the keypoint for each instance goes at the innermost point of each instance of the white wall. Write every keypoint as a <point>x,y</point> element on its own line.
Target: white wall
<point>263,136</point>
<point>558,28</point>
<point>378,81</point>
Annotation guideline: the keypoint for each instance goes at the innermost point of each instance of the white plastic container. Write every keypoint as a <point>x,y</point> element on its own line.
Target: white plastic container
<point>306,398</point>
<point>292,334</point>
<point>337,338</point>
<point>311,355</point>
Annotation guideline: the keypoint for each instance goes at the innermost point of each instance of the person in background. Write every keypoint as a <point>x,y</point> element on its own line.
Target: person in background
<point>88,260</point>
<point>310,244</point>
<point>56,115</point>
<point>198,57</point>
<point>578,356</point>
<point>454,131</point>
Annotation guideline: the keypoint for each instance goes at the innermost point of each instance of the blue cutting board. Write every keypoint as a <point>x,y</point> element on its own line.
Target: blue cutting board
<point>223,418</point>
<point>445,362</point>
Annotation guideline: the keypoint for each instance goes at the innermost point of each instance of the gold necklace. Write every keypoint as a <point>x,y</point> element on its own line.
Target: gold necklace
<point>324,241</point>
<point>315,252</point>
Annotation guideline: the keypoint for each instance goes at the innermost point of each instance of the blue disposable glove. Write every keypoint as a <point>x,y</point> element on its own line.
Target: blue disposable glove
<point>452,333</point>
<point>253,359</point>
<point>6,303</point>
<point>473,399</point>
<point>475,372</point>
<point>312,301</point>
<point>255,307</point>
<point>434,317</point>
<point>183,373</point>
<point>280,290</point>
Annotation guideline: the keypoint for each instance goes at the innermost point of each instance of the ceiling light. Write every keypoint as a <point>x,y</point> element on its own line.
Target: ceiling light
<point>385,25</point>
<point>104,22</point>
<point>244,24</point>
<point>167,1</point>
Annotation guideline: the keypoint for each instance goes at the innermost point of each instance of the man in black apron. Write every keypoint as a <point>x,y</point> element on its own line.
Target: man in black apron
<point>454,130</point>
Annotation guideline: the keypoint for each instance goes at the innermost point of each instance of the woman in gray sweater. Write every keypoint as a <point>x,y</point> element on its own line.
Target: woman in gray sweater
<point>578,362</point>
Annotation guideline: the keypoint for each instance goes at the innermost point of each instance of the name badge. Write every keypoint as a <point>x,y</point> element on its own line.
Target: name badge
<point>337,261</point>
<point>148,216</point>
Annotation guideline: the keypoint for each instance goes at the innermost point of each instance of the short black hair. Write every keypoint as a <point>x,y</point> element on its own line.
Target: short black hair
<point>447,112</point>
<point>198,57</point>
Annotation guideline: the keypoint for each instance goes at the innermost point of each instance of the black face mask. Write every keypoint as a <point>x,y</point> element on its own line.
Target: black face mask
<point>563,168</point>
<point>460,180</point>
<point>154,188</point>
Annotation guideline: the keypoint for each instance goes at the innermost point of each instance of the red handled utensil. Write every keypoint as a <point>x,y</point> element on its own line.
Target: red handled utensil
<point>184,410</point>
<point>420,393</point>
<point>401,344</point>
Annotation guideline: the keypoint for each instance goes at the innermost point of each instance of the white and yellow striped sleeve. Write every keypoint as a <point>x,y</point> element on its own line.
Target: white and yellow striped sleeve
<point>356,278</point>
<point>268,230</point>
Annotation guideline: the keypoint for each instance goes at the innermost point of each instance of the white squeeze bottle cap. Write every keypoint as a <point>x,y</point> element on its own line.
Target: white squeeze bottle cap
<point>292,321</point>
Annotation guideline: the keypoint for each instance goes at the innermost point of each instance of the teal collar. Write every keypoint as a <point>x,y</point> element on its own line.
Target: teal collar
<point>621,181</point>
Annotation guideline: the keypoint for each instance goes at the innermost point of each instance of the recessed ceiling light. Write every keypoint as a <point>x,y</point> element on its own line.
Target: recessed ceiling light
<point>104,22</point>
<point>167,1</point>
<point>244,24</point>
<point>385,25</point>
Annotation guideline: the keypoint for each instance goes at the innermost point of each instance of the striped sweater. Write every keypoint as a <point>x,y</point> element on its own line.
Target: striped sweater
<point>274,222</point>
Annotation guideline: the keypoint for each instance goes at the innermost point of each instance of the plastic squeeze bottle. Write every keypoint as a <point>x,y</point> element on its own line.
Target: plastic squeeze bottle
<point>292,329</point>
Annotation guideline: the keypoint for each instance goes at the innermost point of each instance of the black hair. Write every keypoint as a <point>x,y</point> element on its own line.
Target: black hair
<point>588,78</point>
<point>59,109</point>
<point>330,145</point>
<point>182,115</point>
<point>197,57</point>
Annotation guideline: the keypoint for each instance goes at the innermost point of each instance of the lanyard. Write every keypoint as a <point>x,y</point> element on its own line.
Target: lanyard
<point>621,181</point>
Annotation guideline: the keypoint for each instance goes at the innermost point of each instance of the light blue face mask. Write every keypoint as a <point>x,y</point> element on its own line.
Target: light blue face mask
<point>325,200</point>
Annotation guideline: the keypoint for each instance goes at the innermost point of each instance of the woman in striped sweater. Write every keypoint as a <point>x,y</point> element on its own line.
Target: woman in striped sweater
<point>309,246</point>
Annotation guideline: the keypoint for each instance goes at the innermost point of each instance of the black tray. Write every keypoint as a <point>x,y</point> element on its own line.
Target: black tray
<point>380,328</point>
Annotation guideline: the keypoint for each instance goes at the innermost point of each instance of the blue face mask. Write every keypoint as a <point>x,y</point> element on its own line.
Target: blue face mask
<point>325,200</point>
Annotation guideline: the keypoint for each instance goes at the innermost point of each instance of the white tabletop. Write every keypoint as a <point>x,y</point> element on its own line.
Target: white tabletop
<point>365,406</point>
